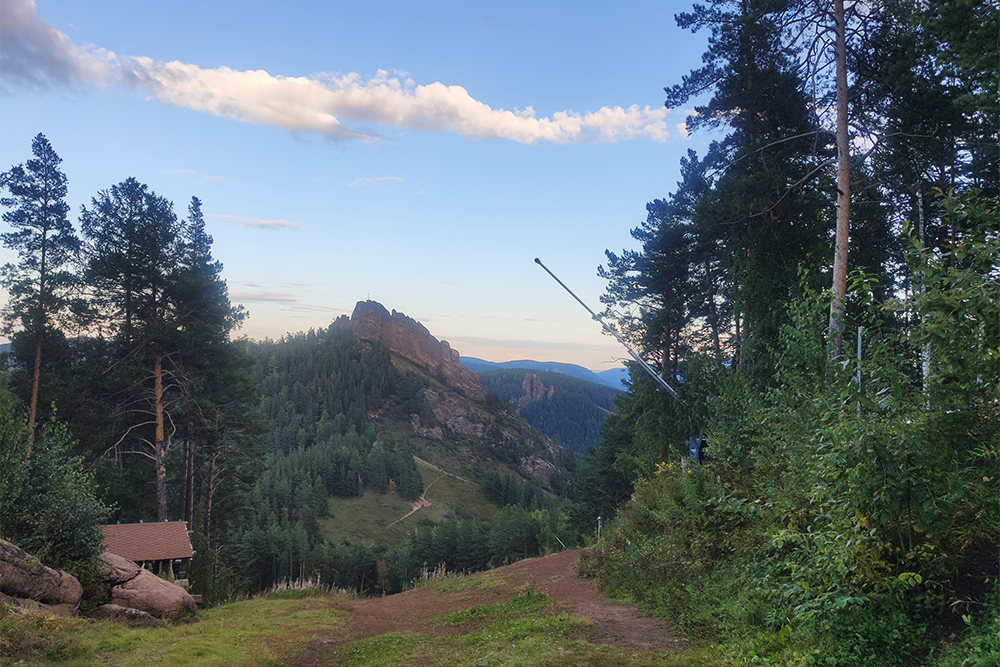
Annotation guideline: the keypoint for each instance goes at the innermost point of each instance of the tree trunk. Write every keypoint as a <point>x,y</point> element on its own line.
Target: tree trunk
<point>713,311</point>
<point>208,495</point>
<point>35,381</point>
<point>189,481</point>
<point>160,444</point>
<point>843,187</point>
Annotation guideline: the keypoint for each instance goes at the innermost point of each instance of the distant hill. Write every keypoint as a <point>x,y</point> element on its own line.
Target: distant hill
<point>369,414</point>
<point>556,404</point>
<point>612,378</point>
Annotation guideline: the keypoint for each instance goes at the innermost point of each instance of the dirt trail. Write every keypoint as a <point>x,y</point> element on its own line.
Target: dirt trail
<point>417,504</point>
<point>423,609</point>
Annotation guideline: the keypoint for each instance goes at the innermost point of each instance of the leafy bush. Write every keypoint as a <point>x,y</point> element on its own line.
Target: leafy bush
<point>851,514</point>
<point>60,520</point>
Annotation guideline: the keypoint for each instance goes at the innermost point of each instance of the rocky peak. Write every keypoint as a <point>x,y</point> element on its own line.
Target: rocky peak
<point>534,390</point>
<point>407,337</point>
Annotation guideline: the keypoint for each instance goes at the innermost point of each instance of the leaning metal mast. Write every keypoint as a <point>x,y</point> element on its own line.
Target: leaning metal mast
<point>614,333</point>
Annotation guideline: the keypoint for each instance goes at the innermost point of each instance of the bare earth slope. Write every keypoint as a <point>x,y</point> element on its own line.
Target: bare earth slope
<point>424,609</point>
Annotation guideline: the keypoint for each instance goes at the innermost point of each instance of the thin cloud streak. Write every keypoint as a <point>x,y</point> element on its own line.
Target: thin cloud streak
<point>36,54</point>
<point>264,297</point>
<point>375,180</point>
<point>255,222</point>
<point>214,180</point>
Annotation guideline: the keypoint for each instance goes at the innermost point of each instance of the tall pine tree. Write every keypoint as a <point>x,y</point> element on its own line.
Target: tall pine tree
<point>41,282</point>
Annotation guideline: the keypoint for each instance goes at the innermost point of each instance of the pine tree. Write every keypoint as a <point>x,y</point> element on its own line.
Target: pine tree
<point>41,282</point>
<point>134,249</point>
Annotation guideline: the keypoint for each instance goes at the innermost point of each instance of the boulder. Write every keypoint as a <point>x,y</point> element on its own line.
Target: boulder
<point>36,607</point>
<point>147,592</point>
<point>117,570</point>
<point>127,616</point>
<point>23,576</point>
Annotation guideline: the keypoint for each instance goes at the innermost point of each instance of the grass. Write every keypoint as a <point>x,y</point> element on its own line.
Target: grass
<point>528,630</point>
<point>263,631</point>
<point>364,520</point>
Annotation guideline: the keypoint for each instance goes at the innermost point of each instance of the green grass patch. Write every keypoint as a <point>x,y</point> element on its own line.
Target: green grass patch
<point>388,650</point>
<point>450,495</point>
<point>264,631</point>
<point>363,520</point>
<point>528,600</point>
<point>482,582</point>
<point>366,519</point>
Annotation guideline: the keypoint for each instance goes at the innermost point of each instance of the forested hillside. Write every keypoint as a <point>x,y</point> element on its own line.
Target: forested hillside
<point>849,512</point>
<point>558,405</point>
<point>125,398</point>
<point>348,419</point>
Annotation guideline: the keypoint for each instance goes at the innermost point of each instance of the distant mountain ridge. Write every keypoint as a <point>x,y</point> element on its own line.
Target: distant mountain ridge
<point>614,377</point>
<point>557,404</point>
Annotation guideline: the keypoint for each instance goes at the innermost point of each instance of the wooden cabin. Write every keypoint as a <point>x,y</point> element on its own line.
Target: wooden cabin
<point>155,546</point>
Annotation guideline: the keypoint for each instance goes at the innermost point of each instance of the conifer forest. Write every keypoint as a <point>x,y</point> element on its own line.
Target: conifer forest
<point>820,289</point>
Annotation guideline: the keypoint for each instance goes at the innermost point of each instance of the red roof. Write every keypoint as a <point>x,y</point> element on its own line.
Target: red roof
<point>166,540</point>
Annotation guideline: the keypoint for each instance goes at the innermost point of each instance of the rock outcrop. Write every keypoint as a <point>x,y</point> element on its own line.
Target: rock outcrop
<point>538,468</point>
<point>28,583</point>
<point>126,616</point>
<point>409,338</point>
<point>134,588</point>
<point>157,597</point>
<point>534,390</point>
<point>453,414</point>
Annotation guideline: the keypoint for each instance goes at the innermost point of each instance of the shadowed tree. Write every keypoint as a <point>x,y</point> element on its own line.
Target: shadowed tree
<point>40,283</point>
<point>134,250</point>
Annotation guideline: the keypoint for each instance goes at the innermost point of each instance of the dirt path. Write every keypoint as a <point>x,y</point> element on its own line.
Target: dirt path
<point>422,609</point>
<point>417,504</point>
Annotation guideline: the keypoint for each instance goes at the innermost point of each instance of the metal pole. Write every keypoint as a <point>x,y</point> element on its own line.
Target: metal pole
<point>860,330</point>
<point>611,331</point>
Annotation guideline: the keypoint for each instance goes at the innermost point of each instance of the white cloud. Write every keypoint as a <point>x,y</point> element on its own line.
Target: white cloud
<point>376,180</point>
<point>255,222</point>
<point>36,53</point>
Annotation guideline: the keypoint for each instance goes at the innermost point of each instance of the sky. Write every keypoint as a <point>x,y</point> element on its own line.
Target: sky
<point>419,154</point>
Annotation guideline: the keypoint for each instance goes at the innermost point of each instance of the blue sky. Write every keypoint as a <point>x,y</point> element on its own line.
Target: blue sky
<point>420,154</point>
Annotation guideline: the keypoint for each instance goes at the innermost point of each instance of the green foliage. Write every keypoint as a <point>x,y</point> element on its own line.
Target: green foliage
<point>862,517</point>
<point>48,503</point>
<point>980,647</point>
<point>319,384</point>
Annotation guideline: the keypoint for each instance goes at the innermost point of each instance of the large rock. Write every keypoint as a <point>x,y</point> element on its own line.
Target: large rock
<point>147,592</point>
<point>126,616</point>
<point>411,339</point>
<point>117,570</point>
<point>34,606</point>
<point>538,468</point>
<point>22,576</point>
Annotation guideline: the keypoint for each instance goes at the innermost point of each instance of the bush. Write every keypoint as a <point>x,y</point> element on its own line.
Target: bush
<point>48,504</point>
